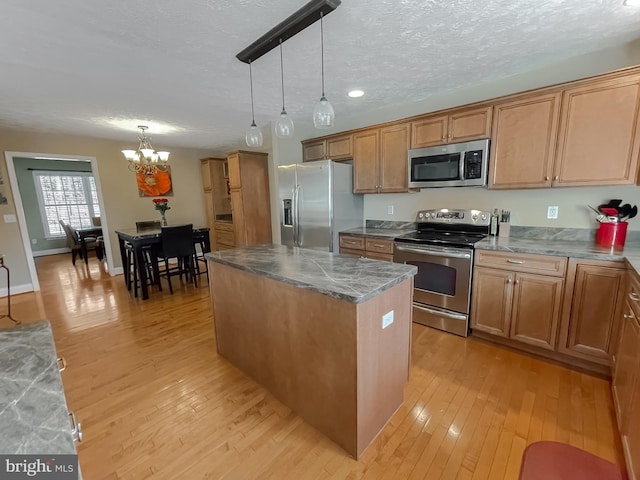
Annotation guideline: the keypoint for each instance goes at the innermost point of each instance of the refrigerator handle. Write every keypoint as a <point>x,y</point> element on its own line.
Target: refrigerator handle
<point>297,239</point>
<point>294,215</point>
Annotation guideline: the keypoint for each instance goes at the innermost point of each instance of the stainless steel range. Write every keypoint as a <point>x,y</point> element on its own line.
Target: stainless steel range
<point>442,249</point>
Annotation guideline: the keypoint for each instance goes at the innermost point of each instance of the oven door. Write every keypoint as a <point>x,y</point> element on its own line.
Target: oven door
<point>444,274</point>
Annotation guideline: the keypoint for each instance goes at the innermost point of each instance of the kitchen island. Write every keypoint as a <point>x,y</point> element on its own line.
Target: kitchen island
<point>328,335</point>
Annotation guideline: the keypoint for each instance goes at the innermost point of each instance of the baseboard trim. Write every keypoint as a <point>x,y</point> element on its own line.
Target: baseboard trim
<point>17,289</point>
<point>116,271</point>
<point>53,251</point>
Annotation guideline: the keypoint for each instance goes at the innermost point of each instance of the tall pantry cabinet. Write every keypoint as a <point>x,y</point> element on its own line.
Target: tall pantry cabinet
<point>236,194</point>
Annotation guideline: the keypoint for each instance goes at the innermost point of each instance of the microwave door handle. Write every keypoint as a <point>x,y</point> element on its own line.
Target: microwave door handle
<point>434,252</point>
<point>461,167</point>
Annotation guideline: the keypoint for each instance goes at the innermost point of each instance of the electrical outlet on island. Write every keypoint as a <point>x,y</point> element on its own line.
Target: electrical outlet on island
<point>552,213</point>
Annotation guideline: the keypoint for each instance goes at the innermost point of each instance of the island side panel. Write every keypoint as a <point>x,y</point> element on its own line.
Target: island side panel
<point>298,344</point>
<point>383,359</point>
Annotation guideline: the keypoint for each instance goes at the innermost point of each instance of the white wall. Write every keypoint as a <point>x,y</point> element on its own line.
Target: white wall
<point>528,207</point>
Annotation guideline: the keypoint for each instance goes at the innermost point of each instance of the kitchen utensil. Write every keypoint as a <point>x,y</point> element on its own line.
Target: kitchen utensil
<point>609,211</point>
<point>597,212</point>
<point>633,212</point>
<point>614,203</point>
<point>624,211</point>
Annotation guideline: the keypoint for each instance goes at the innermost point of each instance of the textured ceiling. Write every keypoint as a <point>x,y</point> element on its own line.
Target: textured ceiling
<point>99,68</point>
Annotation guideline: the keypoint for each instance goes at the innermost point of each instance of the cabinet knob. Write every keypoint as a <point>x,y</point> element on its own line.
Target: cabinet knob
<point>546,178</point>
<point>76,428</point>
<point>633,296</point>
<point>628,316</point>
<point>509,280</point>
<point>517,282</point>
<point>556,177</point>
<point>62,364</point>
<point>444,138</point>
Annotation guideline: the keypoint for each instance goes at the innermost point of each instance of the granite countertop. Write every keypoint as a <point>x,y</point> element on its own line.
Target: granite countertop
<point>386,233</point>
<point>345,277</point>
<point>563,248</point>
<point>34,418</point>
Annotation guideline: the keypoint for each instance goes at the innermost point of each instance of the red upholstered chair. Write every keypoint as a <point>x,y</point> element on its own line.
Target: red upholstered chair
<point>558,461</point>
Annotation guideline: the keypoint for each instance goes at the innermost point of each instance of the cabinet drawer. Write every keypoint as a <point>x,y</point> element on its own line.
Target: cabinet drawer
<point>379,256</point>
<point>380,246</point>
<point>633,294</point>
<point>349,251</point>
<point>224,226</point>
<point>225,237</point>
<point>347,241</point>
<point>522,262</point>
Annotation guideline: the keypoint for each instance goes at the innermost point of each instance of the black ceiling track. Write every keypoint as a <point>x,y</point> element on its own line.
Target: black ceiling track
<point>286,29</point>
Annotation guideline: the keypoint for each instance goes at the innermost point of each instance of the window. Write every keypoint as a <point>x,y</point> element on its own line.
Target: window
<point>68,196</point>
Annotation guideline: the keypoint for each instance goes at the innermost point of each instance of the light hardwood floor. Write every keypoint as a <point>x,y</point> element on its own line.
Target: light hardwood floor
<point>155,400</point>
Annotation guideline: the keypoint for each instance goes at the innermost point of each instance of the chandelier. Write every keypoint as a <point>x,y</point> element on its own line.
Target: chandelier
<point>146,160</point>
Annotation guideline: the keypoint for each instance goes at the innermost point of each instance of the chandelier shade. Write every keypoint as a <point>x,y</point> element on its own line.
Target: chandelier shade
<point>284,125</point>
<point>323,114</point>
<point>145,159</point>
<point>253,137</point>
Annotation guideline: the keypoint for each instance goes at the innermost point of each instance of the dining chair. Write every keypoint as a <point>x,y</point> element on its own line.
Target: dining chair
<point>177,243</point>
<point>73,243</point>
<point>200,248</point>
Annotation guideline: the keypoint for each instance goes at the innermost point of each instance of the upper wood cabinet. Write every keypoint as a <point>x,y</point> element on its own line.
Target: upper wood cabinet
<point>589,322</point>
<point>338,147</point>
<point>205,172</point>
<point>585,135</point>
<point>380,159</point>
<point>524,142</point>
<point>456,126</point>
<point>598,140</point>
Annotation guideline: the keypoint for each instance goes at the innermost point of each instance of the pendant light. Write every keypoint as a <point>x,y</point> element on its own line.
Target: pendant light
<point>323,114</point>
<point>253,136</point>
<point>284,124</point>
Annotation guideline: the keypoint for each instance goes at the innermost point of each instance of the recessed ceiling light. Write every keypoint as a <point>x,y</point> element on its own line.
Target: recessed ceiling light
<point>359,93</point>
<point>631,3</point>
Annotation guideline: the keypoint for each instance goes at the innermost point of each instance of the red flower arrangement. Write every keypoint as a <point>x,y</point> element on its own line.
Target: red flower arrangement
<point>162,205</point>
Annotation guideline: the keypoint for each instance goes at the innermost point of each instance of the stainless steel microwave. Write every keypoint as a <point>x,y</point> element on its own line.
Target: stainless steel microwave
<point>454,165</point>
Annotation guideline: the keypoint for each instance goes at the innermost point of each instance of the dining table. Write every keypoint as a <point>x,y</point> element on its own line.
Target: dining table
<point>83,234</point>
<point>141,238</point>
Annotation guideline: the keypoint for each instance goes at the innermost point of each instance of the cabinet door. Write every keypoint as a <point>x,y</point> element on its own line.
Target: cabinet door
<point>588,328</point>
<point>536,309</point>
<point>340,148</point>
<point>629,430</point>
<point>365,161</point>
<point>208,209</point>
<point>394,153</point>
<point>237,209</point>
<point>470,124</point>
<point>313,150</point>
<point>233,166</point>
<point>523,142</point>
<point>492,300</point>
<point>205,172</point>
<point>428,131</point>
<point>626,364</point>
<point>598,141</point>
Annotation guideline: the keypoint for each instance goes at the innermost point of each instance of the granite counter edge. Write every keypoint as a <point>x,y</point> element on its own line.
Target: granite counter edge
<point>314,288</point>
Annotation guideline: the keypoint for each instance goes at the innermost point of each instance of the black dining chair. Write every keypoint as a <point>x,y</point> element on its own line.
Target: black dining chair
<point>200,242</point>
<point>73,242</point>
<point>177,243</point>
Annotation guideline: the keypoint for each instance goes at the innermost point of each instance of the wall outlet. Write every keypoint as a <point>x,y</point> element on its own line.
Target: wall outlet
<point>389,209</point>
<point>552,213</point>
<point>387,319</point>
<point>10,218</point>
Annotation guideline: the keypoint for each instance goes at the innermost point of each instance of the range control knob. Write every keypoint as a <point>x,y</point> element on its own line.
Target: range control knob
<point>474,217</point>
<point>420,215</point>
<point>484,217</point>
<point>427,215</point>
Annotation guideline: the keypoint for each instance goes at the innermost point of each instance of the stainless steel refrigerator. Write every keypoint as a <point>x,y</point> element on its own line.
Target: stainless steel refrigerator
<point>316,203</point>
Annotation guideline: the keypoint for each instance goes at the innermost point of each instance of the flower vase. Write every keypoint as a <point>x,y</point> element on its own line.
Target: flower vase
<point>163,219</point>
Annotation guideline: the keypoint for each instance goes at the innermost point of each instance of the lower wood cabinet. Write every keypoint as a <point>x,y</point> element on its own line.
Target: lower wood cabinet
<point>367,247</point>
<point>589,322</point>
<point>517,305</point>
<point>626,375</point>
<point>527,299</point>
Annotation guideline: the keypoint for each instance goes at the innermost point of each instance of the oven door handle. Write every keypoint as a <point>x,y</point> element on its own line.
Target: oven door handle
<point>442,313</point>
<point>449,253</point>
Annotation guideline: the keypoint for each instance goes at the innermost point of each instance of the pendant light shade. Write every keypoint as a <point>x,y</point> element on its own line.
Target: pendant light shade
<point>323,114</point>
<point>284,124</point>
<point>253,137</point>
